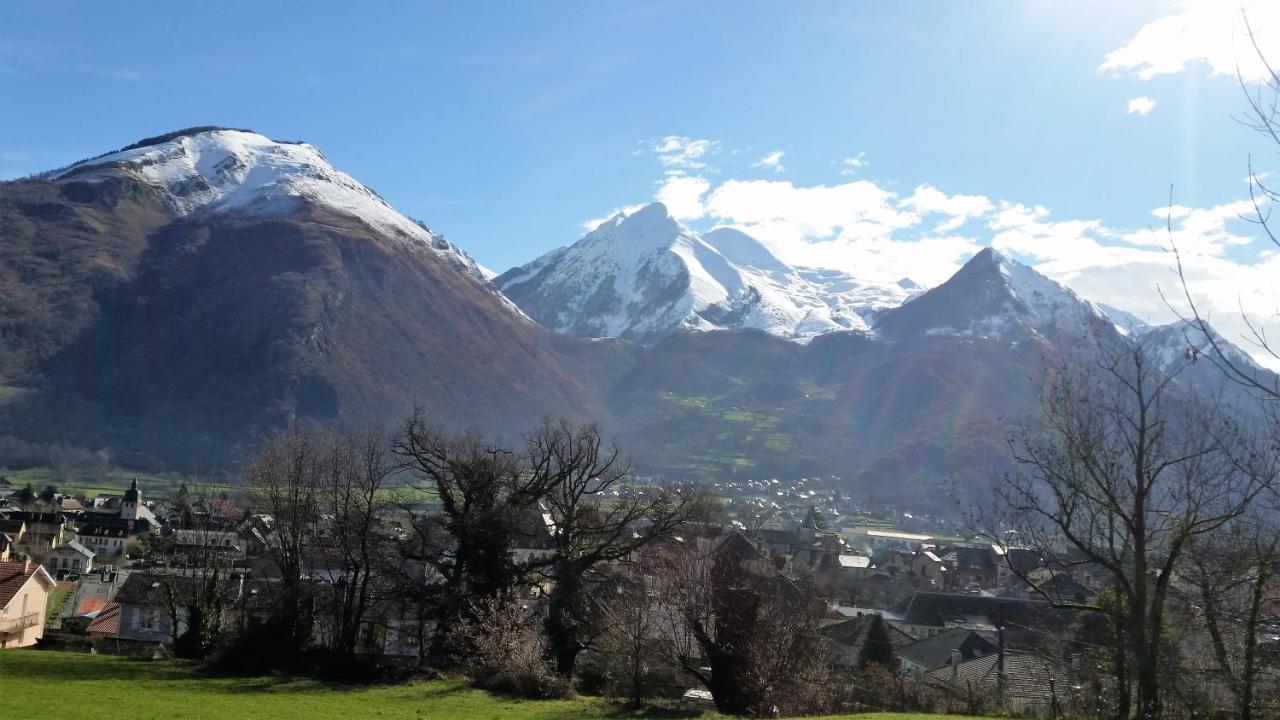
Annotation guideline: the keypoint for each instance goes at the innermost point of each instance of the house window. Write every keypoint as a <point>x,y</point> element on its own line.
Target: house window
<point>149,619</point>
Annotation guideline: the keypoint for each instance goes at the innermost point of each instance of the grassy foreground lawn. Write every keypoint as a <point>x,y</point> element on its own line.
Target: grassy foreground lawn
<point>64,685</point>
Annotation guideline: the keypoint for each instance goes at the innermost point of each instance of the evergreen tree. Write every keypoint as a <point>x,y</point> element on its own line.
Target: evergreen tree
<point>878,648</point>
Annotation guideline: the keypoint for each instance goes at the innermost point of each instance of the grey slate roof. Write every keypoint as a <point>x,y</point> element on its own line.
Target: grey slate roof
<point>934,652</point>
<point>1028,676</point>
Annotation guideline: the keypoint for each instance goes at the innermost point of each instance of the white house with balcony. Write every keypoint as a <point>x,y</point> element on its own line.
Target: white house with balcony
<point>24,594</point>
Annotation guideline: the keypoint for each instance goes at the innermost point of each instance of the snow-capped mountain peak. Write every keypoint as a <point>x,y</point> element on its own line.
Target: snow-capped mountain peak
<point>216,170</point>
<point>994,296</point>
<point>1044,300</point>
<point>744,250</point>
<point>644,274</point>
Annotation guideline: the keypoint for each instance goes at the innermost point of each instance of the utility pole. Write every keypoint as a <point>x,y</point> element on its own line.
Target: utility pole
<point>1000,678</point>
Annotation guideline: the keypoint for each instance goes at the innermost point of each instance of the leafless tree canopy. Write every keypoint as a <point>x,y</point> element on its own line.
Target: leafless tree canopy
<point>1262,116</point>
<point>1126,471</point>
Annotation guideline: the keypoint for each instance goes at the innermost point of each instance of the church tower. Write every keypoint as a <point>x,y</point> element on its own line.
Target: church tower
<point>131,506</point>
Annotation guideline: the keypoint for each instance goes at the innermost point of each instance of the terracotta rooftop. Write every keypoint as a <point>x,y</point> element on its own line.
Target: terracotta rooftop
<point>108,621</point>
<point>13,575</point>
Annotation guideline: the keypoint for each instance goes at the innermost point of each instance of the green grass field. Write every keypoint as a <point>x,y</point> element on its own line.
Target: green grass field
<point>58,685</point>
<point>116,481</point>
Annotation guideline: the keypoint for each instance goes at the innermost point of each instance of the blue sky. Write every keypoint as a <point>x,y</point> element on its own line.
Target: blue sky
<point>508,125</point>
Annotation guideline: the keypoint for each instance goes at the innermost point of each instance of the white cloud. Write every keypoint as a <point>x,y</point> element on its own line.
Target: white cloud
<point>928,200</point>
<point>817,211</point>
<point>1141,105</point>
<point>859,226</point>
<point>1208,31</point>
<point>1134,269</point>
<point>872,232</point>
<point>772,160</point>
<point>682,194</point>
<point>683,153</point>
<point>852,163</point>
<point>1198,231</point>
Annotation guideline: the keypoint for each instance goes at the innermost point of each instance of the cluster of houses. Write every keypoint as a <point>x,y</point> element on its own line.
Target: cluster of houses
<point>961,614</point>
<point>62,558</point>
<point>68,534</point>
<point>963,623</point>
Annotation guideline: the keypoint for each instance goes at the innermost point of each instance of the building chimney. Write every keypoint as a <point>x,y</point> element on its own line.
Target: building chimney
<point>955,663</point>
<point>26,564</point>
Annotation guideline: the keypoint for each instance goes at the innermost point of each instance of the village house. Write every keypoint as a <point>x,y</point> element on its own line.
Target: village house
<point>972,565</point>
<point>70,558</point>
<point>950,647</point>
<point>144,613</point>
<point>1020,682</point>
<point>24,595</point>
<point>34,533</point>
<point>107,541</point>
<point>844,640</point>
<point>105,623</point>
<point>142,609</point>
<point>926,565</point>
<point>108,524</point>
<point>926,614</point>
<point>192,544</point>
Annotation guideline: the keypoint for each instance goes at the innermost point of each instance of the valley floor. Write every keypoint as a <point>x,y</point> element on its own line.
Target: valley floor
<point>37,684</point>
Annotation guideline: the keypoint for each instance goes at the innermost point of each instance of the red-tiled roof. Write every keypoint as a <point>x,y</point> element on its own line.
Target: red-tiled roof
<point>108,621</point>
<point>13,575</point>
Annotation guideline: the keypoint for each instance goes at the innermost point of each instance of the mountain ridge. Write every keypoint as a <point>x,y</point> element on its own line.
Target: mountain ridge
<point>177,303</point>
<point>643,275</point>
<point>186,297</point>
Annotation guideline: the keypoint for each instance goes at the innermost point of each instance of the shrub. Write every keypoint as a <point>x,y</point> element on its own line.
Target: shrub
<point>508,654</point>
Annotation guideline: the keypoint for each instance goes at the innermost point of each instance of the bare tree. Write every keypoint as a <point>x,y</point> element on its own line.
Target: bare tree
<point>354,501</point>
<point>412,569</point>
<point>1232,572</point>
<point>196,595</point>
<point>748,634</point>
<point>594,519</point>
<point>1262,116</point>
<point>631,624</point>
<point>285,478</point>
<point>483,493</point>
<point>1127,472</point>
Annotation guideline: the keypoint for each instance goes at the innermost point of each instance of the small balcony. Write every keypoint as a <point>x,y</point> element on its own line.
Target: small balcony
<point>12,626</point>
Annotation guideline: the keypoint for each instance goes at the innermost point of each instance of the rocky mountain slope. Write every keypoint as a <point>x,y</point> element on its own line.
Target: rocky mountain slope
<point>176,300</point>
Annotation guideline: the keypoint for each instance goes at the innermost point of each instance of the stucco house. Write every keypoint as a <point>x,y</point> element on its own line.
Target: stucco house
<point>70,558</point>
<point>24,594</point>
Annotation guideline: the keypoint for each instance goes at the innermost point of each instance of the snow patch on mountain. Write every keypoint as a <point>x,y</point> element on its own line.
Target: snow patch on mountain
<point>1045,301</point>
<point>1176,344</point>
<point>643,274</point>
<point>214,171</point>
<point>1126,322</point>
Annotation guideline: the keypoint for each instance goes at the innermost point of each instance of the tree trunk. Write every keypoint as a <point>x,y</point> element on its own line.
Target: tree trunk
<point>1249,671</point>
<point>564,619</point>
